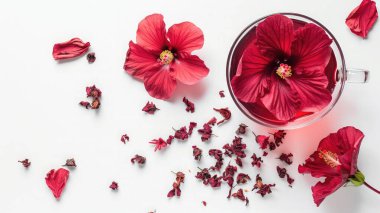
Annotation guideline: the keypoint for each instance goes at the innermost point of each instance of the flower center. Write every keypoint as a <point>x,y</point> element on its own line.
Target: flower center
<point>166,57</point>
<point>330,158</point>
<point>284,71</point>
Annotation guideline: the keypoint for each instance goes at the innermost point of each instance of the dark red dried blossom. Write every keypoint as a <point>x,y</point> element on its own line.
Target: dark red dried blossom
<point>287,158</point>
<point>203,175</point>
<point>176,191</point>
<point>159,144</point>
<point>139,159</point>
<point>206,132</point>
<point>263,189</point>
<point>150,108</point>
<point>228,174</point>
<point>95,94</point>
<point>281,172</point>
<point>204,203</point>
<point>114,185</point>
<point>289,180</point>
<point>197,153</point>
<point>189,105</point>
<point>56,181</point>
<point>242,129</point>
<point>225,112</point>
<point>70,49</point>
<point>170,139</point>
<point>192,125</point>
<point>265,153</point>
<point>278,136</point>
<point>242,178</point>
<point>239,162</point>
<point>70,163</point>
<point>212,121</point>
<point>215,181</point>
<point>262,140</point>
<point>272,146</point>
<point>124,138</point>
<point>181,133</point>
<point>218,155</point>
<point>91,57</point>
<point>237,148</point>
<point>26,163</point>
<point>221,94</point>
<point>256,161</point>
<point>240,195</point>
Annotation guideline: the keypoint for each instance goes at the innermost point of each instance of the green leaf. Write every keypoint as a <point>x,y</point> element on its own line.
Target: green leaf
<point>357,179</point>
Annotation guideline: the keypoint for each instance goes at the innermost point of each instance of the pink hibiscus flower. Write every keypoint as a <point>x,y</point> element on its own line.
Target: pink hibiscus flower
<point>336,160</point>
<point>161,58</point>
<point>284,69</point>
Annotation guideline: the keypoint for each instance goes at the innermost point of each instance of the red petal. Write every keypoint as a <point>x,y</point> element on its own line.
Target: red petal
<point>70,49</point>
<point>151,33</point>
<point>311,49</point>
<point>189,70</point>
<point>185,37</point>
<point>252,83</point>
<point>322,190</point>
<point>160,83</point>
<point>281,100</point>
<point>56,181</point>
<point>317,167</point>
<point>311,89</point>
<point>362,18</point>
<point>139,60</point>
<point>275,35</point>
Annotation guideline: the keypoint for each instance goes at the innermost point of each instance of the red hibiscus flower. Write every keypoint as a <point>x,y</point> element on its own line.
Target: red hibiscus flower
<point>161,58</point>
<point>284,68</point>
<point>336,160</point>
<point>362,18</point>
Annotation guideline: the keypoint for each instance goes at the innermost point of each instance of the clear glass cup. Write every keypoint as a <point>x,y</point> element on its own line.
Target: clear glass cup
<point>342,75</point>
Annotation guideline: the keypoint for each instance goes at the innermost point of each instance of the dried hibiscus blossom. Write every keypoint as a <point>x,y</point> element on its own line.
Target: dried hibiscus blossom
<point>56,181</point>
<point>203,175</point>
<point>262,140</point>
<point>262,189</point>
<point>180,178</point>
<point>159,144</point>
<point>189,105</point>
<point>192,125</point>
<point>206,132</point>
<point>197,153</point>
<point>181,134</point>
<point>287,158</point>
<point>256,161</point>
<point>218,155</point>
<point>221,94</point>
<point>225,112</point>
<point>162,58</point>
<point>114,186</point>
<point>91,57</point>
<point>150,108</point>
<point>240,195</point>
<point>278,136</point>
<point>242,178</point>
<point>26,163</point>
<point>70,163</point>
<point>124,138</point>
<point>282,173</point>
<point>362,18</point>
<point>95,94</point>
<point>204,203</point>
<point>215,181</point>
<point>70,49</point>
<point>212,121</point>
<point>139,159</point>
<point>237,148</point>
<point>242,129</point>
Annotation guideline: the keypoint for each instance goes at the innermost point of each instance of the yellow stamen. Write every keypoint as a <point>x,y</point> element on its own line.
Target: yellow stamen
<point>284,71</point>
<point>330,158</point>
<point>166,57</point>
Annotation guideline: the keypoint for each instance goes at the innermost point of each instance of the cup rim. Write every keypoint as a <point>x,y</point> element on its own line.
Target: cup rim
<point>285,127</point>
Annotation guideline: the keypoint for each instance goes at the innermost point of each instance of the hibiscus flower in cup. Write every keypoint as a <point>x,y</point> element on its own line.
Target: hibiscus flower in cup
<point>336,160</point>
<point>162,58</point>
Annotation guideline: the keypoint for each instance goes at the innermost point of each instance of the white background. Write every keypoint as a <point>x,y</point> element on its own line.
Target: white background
<point>40,118</point>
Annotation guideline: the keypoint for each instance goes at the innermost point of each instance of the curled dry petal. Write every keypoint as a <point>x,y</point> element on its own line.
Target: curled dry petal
<point>26,163</point>
<point>189,105</point>
<point>70,163</point>
<point>114,185</point>
<point>150,108</point>
<point>70,49</point>
<point>124,138</point>
<point>139,159</point>
<point>225,112</point>
<point>91,57</point>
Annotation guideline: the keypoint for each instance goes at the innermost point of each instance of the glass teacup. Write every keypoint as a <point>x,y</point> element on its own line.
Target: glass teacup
<point>340,75</point>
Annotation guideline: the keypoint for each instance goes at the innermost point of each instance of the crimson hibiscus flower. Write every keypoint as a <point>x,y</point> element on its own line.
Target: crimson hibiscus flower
<point>161,58</point>
<point>284,68</point>
<point>336,160</point>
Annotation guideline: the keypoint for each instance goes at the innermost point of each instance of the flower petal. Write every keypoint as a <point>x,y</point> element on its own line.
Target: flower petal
<point>252,82</point>
<point>185,37</point>
<point>311,89</point>
<point>322,190</point>
<point>362,18</point>
<point>281,100</point>
<point>151,33</point>
<point>189,70</point>
<point>56,181</point>
<point>310,49</point>
<point>70,49</point>
<point>317,167</point>
<point>139,60</point>
<point>160,83</point>
<point>275,36</point>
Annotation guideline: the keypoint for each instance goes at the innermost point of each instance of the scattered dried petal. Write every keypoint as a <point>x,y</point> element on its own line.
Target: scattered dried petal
<point>218,155</point>
<point>139,159</point>
<point>170,139</point>
<point>215,181</point>
<point>239,162</point>
<point>70,49</point>
<point>278,136</point>
<point>180,177</point>
<point>221,94</point>
<point>91,57</point>
<point>204,203</point>
<point>56,181</point>
<point>85,104</point>
<point>212,121</point>
<point>189,105</point>
<point>203,175</point>
<point>242,178</point>
<point>206,132</point>
<point>70,163</point>
<point>272,146</point>
<point>95,94</point>
<point>114,185</point>
<point>159,144</point>
<point>263,189</point>
<point>237,148</point>
<point>124,138</point>
<point>287,158</point>
<point>26,163</point>
<point>281,172</point>
<point>289,180</point>
<point>228,174</point>
<point>181,134</point>
<point>192,125</point>
<point>256,161</point>
<point>242,129</point>
<point>197,153</point>
<point>225,112</point>
<point>265,153</point>
<point>240,195</point>
<point>150,108</point>
<point>262,140</point>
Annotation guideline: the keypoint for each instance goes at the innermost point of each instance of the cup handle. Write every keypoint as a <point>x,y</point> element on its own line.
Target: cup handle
<point>357,76</point>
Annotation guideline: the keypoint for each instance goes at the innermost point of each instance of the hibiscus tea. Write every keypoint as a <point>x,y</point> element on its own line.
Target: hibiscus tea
<point>257,111</point>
